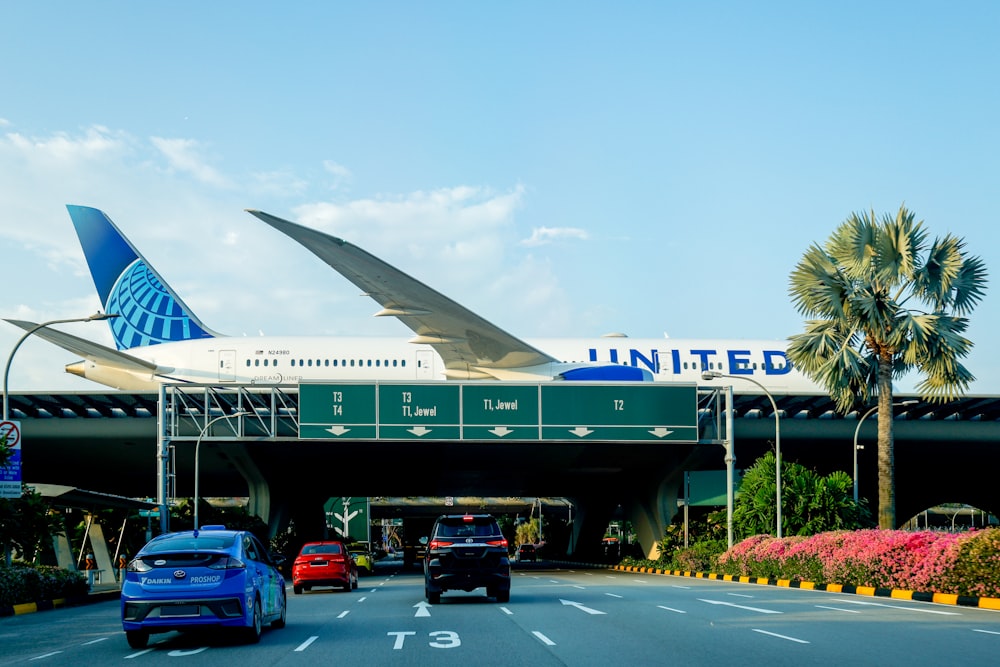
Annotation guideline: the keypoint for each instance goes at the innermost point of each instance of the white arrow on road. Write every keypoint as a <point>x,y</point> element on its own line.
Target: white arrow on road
<point>419,430</point>
<point>580,607</point>
<point>338,430</point>
<point>740,606</point>
<point>661,432</point>
<point>423,609</point>
<point>501,431</point>
<point>581,431</point>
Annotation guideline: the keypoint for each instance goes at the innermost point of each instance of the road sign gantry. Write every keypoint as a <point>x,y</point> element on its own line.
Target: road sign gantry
<point>555,411</point>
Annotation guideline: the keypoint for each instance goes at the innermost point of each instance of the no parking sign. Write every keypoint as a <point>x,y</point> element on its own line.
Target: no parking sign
<point>10,475</point>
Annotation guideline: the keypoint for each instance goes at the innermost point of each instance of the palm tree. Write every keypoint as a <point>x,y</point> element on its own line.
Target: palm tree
<point>879,304</point>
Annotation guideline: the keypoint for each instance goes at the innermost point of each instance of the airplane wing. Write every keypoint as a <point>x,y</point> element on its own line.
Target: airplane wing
<point>88,349</point>
<point>469,345</point>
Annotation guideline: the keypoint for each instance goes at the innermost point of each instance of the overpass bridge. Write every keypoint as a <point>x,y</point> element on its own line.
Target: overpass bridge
<point>120,443</point>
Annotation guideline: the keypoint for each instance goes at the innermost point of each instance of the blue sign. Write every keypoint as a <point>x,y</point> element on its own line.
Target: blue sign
<point>10,475</point>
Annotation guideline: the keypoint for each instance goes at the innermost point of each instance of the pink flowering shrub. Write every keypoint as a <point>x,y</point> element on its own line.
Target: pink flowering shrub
<point>936,562</point>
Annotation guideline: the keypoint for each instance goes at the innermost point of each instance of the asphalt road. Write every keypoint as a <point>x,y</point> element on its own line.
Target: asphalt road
<point>554,617</point>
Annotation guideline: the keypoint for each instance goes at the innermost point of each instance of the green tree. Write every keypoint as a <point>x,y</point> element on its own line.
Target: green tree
<point>882,303</point>
<point>26,523</point>
<point>811,503</point>
<point>5,451</point>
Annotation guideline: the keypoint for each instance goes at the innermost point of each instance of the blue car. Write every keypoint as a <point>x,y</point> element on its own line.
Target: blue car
<point>211,577</point>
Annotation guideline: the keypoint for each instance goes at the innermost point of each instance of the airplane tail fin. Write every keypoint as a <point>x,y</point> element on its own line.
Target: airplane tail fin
<point>149,311</point>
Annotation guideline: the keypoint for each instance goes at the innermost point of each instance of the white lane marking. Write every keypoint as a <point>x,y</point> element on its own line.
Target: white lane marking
<point>848,611</point>
<point>582,588</point>
<point>775,634</point>
<point>136,655</point>
<point>178,653</point>
<point>739,595</point>
<point>344,613</point>
<point>506,611</point>
<point>579,606</point>
<point>423,609</point>
<point>545,640</point>
<point>671,609</point>
<point>94,641</point>
<point>612,595</point>
<point>903,607</point>
<point>45,655</point>
<point>306,644</point>
<point>740,606</point>
<point>986,632</point>
<point>362,599</point>
<point>684,587</point>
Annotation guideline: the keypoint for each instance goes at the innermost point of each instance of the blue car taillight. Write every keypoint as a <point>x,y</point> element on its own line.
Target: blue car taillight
<point>228,563</point>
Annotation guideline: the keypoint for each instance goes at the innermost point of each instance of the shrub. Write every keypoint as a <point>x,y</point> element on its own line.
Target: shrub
<point>928,561</point>
<point>21,583</point>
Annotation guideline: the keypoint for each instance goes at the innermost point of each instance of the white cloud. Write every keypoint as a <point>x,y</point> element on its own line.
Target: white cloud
<point>185,155</point>
<point>544,235</point>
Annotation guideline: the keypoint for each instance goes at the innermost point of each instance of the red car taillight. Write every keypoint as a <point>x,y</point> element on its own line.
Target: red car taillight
<point>497,543</point>
<point>437,544</point>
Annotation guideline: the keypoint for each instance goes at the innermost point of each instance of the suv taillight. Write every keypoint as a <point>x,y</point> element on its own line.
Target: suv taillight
<point>497,543</point>
<point>437,544</point>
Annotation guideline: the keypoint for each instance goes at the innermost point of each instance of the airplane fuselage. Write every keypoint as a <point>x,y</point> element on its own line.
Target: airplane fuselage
<point>289,360</point>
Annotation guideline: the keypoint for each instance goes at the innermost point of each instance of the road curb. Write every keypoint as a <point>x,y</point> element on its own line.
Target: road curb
<point>898,594</point>
<point>48,605</point>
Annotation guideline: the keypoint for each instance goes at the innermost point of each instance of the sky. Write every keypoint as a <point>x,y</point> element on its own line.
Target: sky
<point>561,168</point>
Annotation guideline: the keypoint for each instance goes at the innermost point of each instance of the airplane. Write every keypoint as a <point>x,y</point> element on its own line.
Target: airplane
<point>160,340</point>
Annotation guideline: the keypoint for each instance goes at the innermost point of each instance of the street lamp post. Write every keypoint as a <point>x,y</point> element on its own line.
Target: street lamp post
<point>6,370</point>
<point>857,430</point>
<point>712,375</point>
<point>197,457</point>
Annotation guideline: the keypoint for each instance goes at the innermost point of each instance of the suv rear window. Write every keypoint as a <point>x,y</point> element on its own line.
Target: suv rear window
<point>458,527</point>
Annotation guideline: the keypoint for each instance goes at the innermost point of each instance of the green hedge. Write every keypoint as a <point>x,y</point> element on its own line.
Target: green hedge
<point>20,584</point>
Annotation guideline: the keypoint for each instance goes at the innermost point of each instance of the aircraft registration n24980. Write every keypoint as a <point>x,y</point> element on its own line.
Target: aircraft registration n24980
<point>159,339</point>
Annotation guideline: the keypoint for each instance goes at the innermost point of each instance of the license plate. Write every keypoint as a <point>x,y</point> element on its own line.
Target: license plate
<point>180,610</point>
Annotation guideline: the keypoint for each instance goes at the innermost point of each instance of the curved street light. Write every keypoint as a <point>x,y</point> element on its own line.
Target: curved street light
<point>712,375</point>
<point>197,457</point>
<point>6,370</point>
<point>857,430</point>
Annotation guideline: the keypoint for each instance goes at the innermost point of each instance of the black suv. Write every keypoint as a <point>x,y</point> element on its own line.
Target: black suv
<point>465,552</point>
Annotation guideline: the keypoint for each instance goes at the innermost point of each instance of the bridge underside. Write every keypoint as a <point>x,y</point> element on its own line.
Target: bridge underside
<point>937,460</point>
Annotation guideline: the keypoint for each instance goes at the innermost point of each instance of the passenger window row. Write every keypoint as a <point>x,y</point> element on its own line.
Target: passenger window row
<point>331,363</point>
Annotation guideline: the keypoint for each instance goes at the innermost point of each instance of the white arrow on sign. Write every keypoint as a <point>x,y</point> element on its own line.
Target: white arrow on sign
<point>423,609</point>
<point>501,431</point>
<point>580,607</point>
<point>661,432</point>
<point>419,430</point>
<point>338,430</point>
<point>581,431</point>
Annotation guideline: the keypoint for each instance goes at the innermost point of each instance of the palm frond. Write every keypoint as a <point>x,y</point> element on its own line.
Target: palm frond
<point>969,286</point>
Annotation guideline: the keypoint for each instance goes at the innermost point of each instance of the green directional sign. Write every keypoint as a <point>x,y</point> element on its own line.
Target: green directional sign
<point>556,411</point>
<point>337,411</point>
<point>621,411</point>
<point>500,411</point>
<point>419,411</point>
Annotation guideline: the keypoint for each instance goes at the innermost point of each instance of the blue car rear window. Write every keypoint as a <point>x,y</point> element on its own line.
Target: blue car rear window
<point>189,543</point>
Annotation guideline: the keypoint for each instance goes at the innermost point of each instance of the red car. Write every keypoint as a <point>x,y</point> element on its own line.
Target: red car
<point>326,563</point>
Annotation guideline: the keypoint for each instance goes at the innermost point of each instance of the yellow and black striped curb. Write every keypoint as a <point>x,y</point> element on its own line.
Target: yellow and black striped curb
<point>940,598</point>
